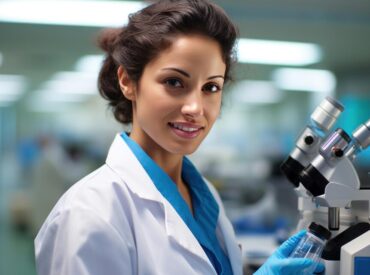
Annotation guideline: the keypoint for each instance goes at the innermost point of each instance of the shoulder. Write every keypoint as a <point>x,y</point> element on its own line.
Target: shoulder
<point>90,192</point>
<point>100,195</point>
<point>78,241</point>
<point>87,218</point>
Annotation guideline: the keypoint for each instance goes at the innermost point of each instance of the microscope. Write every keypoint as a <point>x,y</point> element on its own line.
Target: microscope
<point>329,189</point>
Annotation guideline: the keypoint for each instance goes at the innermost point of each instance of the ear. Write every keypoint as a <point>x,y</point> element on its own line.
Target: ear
<point>126,84</point>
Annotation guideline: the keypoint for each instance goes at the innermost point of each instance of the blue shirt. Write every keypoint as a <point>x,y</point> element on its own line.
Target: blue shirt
<point>203,223</point>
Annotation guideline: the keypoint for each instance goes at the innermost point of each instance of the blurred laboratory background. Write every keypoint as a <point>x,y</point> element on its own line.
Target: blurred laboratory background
<point>54,127</point>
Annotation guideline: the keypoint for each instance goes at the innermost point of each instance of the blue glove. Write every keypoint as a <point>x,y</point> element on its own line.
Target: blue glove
<point>279,262</point>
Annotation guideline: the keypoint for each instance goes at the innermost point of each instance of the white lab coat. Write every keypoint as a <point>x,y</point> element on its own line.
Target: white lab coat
<point>115,222</point>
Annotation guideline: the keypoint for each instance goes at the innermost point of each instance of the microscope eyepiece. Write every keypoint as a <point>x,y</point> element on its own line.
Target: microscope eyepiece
<point>362,135</point>
<point>331,151</point>
<point>336,104</point>
<point>327,113</point>
<point>307,144</point>
<point>335,145</point>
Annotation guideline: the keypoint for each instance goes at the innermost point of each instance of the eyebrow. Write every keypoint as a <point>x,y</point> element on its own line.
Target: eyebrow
<point>188,75</point>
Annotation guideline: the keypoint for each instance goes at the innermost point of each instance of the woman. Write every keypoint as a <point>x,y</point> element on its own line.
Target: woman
<point>148,210</point>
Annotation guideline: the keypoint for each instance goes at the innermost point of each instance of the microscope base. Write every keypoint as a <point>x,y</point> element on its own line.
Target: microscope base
<point>355,256</point>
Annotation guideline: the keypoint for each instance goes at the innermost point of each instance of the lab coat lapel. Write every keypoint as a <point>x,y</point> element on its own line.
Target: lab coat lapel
<point>123,161</point>
<point>233,250</point>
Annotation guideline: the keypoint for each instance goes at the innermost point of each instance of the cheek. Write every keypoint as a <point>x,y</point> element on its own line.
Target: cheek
<point>149,99</point>
<point>153,109</point>
<point>213,109</point>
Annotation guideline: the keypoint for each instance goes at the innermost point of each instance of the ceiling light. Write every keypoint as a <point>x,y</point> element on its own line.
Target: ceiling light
<point>50,96</point>
<point>304,80</point>
<point>11,87</point>
<point>256,92</point>
<point>277,52</point>
<point>89,63</point>
<point>53,101</point>
<point>41,107</point>
<point>78,83</point>
<point>64,88</point>
<point>69,12</point>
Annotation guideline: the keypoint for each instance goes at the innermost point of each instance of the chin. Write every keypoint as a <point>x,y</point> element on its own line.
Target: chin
<point>184,150</point>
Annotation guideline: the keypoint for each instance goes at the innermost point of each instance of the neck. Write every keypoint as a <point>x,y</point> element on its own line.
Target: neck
<point>170,163</point>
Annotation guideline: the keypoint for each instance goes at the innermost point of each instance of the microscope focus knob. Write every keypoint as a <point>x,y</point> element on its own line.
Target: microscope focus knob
<point>309,140</point>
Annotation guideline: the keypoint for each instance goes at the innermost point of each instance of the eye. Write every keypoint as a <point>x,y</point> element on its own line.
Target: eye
<point>174,83</point>
<point>211,88</point>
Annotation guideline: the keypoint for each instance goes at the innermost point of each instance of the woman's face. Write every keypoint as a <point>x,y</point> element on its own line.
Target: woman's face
<point>178,97</point>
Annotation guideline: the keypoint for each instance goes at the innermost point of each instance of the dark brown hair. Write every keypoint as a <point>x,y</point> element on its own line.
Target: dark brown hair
<point>148,32</point>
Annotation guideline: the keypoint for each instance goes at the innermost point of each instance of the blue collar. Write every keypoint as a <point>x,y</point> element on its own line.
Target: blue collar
<point>203,223</point>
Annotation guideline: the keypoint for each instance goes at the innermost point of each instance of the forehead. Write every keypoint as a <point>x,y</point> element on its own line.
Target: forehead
<point>191,51</point>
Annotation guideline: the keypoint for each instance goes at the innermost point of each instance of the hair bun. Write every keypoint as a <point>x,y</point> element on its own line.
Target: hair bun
<point>107,38</point>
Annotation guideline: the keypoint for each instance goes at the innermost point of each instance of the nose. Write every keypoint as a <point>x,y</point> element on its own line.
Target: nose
<point>193,105</point>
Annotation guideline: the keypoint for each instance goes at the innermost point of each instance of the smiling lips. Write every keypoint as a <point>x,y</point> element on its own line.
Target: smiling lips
<point>185,130</point>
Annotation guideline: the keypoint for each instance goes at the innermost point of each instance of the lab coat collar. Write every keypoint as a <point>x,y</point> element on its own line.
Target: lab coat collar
<point>123,161</point>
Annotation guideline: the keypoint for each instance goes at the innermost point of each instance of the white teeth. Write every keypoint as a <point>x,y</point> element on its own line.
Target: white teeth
<point>183,128</point>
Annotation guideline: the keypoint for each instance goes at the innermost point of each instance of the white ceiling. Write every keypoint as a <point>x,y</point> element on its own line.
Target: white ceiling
<point>340,27</point>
